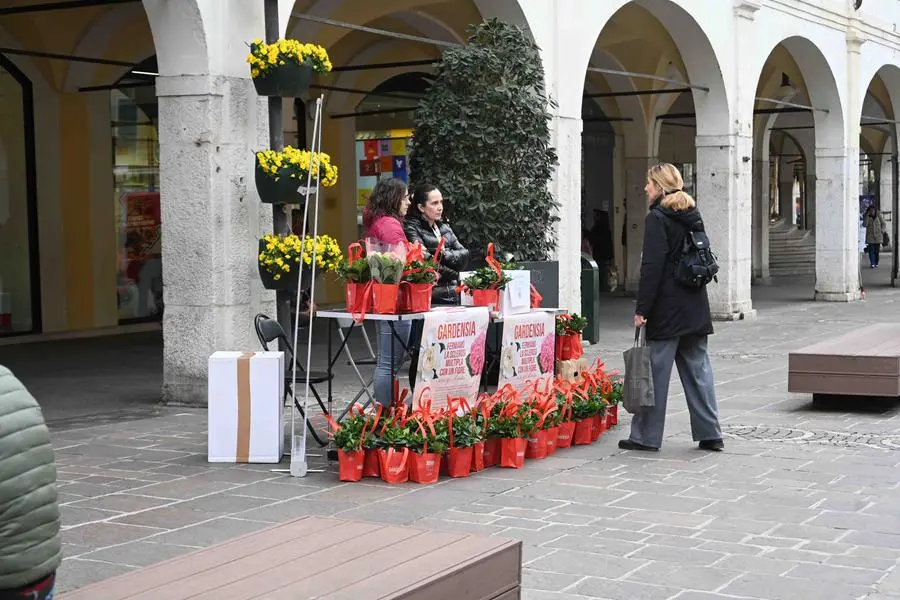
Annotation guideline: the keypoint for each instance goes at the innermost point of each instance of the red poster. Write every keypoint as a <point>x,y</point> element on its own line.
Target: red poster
<point>370,148</point>
<point>367,168</point>
<point>387,165</point>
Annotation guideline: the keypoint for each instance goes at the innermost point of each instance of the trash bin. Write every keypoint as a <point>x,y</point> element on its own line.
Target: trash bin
<point>590,298</point>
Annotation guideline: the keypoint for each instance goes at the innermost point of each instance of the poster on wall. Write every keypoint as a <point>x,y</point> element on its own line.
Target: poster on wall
<point>380,155</point>
<point>528,349</point>
<point>140,257</point>
<point>451,355</point>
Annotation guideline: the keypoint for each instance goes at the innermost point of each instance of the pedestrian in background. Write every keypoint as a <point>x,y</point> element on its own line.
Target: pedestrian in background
<point>30,546</point>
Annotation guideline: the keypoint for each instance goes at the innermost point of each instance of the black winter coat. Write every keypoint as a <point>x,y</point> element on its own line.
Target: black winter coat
<point>671,309</point>
<point>454,256</point>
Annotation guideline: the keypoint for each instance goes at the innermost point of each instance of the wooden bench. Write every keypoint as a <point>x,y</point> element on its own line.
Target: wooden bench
<point>865,362</point>
<point>315,557</point>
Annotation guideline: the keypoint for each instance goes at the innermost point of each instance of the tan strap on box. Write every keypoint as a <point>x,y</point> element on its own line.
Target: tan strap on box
<point>242,455</point>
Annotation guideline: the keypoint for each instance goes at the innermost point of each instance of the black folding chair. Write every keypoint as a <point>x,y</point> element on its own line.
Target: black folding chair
<point>269,331</point>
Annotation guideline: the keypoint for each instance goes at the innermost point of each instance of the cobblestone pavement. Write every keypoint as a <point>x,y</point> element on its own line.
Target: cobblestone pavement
<point>802,504</point>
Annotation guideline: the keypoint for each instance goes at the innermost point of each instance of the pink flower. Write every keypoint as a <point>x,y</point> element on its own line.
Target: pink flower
<point>475,360</point>
<point>548,353</point>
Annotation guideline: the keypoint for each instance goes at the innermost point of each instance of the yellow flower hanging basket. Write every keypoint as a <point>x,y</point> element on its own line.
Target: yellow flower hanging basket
<point>285,68</point>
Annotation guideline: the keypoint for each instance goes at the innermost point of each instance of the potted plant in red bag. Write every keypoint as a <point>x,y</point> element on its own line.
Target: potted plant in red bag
<point>583,411</point>
<point>564,401</point>
<point>481,415</point>
<point>486,283</point>
<point>513,425</point>
<point>356,274</point>
<point>615,398</point>
<point>393,446</point>
<point>348,437</point>
<point>568,336</point>
<point>419,278</point>
<point>542,413</point>
<point>387,270</point>
<point>464,434</point>
<point>427,442</point>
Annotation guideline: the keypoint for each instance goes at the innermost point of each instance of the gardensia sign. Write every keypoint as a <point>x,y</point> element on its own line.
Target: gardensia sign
<point>451,355</point>
<point>528,351</point>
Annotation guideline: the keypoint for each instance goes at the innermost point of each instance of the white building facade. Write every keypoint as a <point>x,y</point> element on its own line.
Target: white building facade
<point>720,87</point>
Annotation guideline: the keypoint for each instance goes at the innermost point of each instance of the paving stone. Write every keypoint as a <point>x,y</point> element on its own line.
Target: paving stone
<point>579,563</point>
<point>652,517</point>
<point>684,576</point>
<point>783,588</point>
<point>677,555</point>
<point>209,532</point>
<point>519,523</point>
<point>862,562</point>
<point>224,504</point>
<point>756,564</point>
<point>74,573</point>
<point>170,517</point>
<point>671,504</point>
<point>867,538</point>
<point>184,489</point>
<point>553,582</point>
<point>597,544</point>
<point>806,532</point>
<point>598,587</point>
<point>101,535</point>
<point>71,515</point>
<point>273,490</point>
<point>858,521</point>
<point>139,554</point>
<point>845,575</point>
<point>773,542</point>
<point>730,548</point>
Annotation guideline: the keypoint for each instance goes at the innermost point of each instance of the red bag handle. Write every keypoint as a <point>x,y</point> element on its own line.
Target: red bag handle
<point>437,252</point>
<point>367,293</point>
<point>354,252</point>
<point>494,264</point>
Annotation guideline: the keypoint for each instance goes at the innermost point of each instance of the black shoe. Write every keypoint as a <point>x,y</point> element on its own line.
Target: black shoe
<point>629,445</point>
<point>712,445</point>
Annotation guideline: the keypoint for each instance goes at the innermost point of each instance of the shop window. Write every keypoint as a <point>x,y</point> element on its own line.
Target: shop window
<point>18,242</point>
<point>135,147</point>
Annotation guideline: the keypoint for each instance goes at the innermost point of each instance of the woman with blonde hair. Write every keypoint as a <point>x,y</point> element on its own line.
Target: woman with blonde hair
<point>676,317</point>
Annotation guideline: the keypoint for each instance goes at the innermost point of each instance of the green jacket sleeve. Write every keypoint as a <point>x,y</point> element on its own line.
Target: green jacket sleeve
<point>30,546</point>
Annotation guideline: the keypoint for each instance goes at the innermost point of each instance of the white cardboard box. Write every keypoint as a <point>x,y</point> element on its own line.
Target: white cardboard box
<point>514,299</point>
<point>246,407</point>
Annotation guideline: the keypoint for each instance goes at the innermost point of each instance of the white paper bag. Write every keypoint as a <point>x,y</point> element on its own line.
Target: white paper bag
<point>516,298</point>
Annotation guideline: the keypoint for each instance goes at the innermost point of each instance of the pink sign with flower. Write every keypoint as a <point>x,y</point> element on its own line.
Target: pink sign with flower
<point>528,349</point>
<point>451,354</point>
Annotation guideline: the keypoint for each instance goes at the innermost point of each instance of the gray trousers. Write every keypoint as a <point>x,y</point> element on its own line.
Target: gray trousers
<point>690,355</point>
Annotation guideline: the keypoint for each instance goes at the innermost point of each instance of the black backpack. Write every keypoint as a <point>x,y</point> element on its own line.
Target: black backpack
<point>695,264</point>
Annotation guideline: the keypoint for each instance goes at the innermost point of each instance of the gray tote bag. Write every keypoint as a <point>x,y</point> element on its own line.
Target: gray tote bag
<point>638,375</point>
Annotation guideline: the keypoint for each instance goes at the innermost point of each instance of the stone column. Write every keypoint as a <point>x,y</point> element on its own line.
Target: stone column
<point>725,199</point>
<point>636,205</point>
<point>808,216</point>
<point>760,260</point>
<point>837,256</point>
<point>786,190</point>
<point>212,218</point>
<point>566,188</point>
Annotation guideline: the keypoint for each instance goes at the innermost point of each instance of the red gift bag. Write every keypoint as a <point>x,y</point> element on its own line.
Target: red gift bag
<point>478,457</point>
<point>459,462</point>
<point>536,445</point>
<point>394,465</point>
<point>512,452</point>
<point>583,429</point>
<point>563,347</point>
<point>566,433</point>
<point>371,464</point>
<point>491,452</point>
<point>415,297</point>
<point>614,414</point>
<point>385,298</point>
<point>551,434</point>
<point>350,465</point>
<point>489,298</point>
<point>577,347</point>
<point>425,467</point>
<point>359,299</point>
<point>596,427</point>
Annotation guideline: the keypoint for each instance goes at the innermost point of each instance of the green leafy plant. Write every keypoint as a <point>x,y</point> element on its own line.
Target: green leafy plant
<point>385,268</point>
<point>347,435</point>
<point>356,272</point>
<point>421,272</point>
<point>572,324</point>
<point>467,430</point>
<point>485,278</point>
<point>482,134</point>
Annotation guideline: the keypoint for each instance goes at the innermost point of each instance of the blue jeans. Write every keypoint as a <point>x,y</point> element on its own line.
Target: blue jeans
<point>874,251</point>
<point>389,346</point>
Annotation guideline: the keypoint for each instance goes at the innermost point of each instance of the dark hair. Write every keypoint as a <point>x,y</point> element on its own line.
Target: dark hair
<point>386,198</point>
<point>420,197</point>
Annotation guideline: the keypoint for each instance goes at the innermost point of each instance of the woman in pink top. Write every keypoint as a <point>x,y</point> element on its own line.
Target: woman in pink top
<point>382,219</point>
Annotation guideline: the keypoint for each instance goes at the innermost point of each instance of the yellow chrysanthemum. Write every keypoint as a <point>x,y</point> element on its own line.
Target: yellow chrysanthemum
<point>264,57</point>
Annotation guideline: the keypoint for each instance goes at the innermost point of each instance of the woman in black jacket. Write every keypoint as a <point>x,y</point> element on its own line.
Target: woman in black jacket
<point>424,225</point>
<point>676,318</point>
